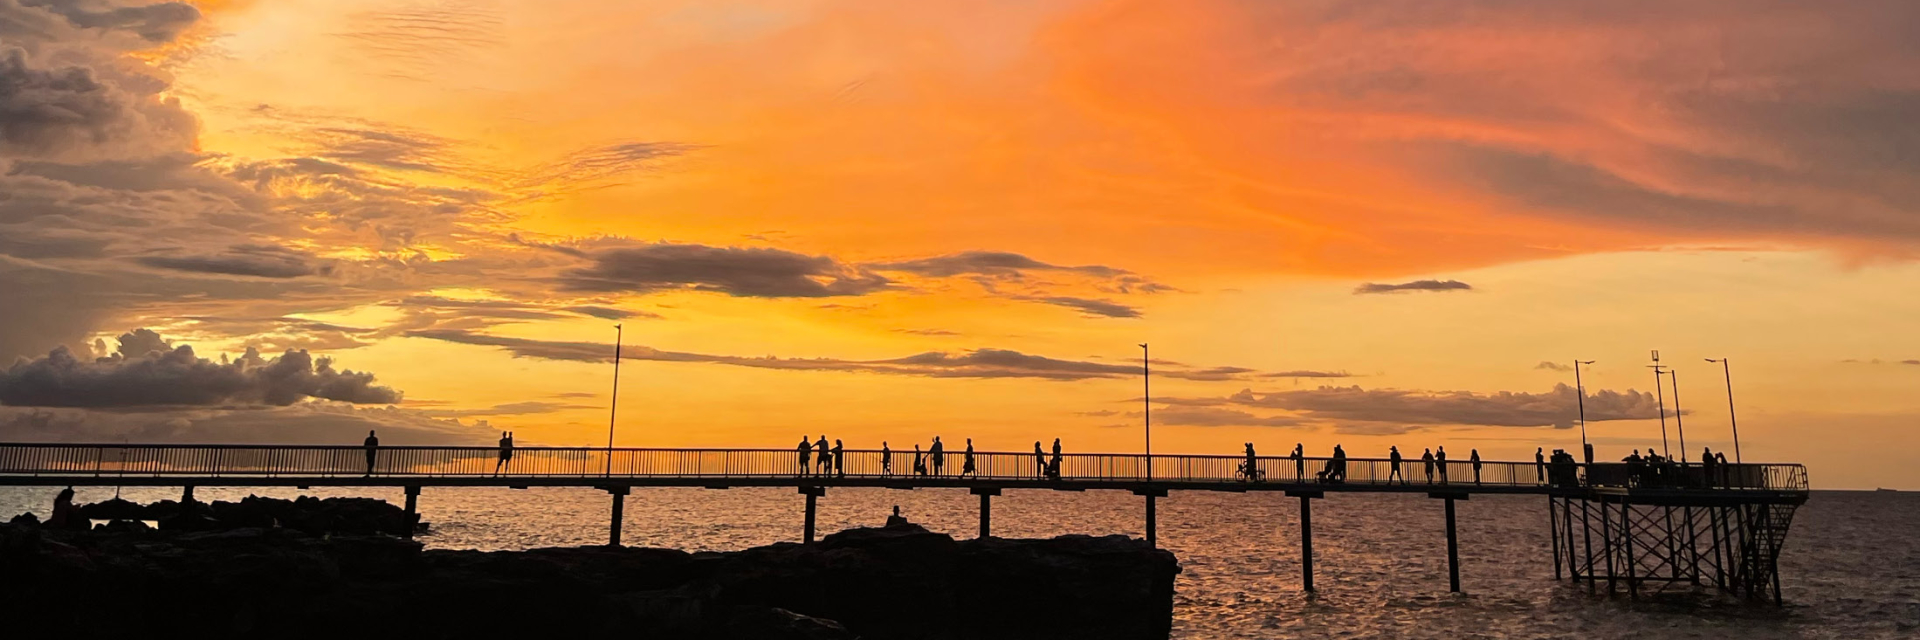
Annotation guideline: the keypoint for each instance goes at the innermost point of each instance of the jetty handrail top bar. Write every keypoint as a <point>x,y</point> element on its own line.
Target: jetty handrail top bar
<point>1407,461</point>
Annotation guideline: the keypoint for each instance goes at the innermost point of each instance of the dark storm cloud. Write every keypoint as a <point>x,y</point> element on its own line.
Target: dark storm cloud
<point>993,263</point>
<point>1555,408</point>
<point>146,371</point>
<point>262,261</point>
<point>1417,285</point>
<point>738,271</point>
<point>65,96</point>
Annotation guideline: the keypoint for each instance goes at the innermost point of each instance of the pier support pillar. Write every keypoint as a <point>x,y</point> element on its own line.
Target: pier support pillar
<point>186,495</point>
<point>413,511</point>
<point>1306,535</point>
<point>619,513</point>
<point>812,494</point>
<point>1553,529</point>
<point>986,508</point>
<point>1453,540</point>
<point>1153,538</point>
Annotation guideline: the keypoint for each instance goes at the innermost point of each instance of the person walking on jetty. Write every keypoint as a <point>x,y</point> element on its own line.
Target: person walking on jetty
<point>806,453</point>
<point>1475,457</point>
<point>1540,464</point>
<point>1250,470</point>
<point>919,461</point>
<point>938,454</point>
<point>1707,468</point>
<point>839,459</point>
<point>1393,459</point>
<point>372,443</point>
<point>966,464</point>
<point>1440,459</point>
<point>886,459</point>
<point>1299,461</point>
<point>1427,457</point>
<point>1039,460</point>
<point>506,452</point>
<point>824,457</point>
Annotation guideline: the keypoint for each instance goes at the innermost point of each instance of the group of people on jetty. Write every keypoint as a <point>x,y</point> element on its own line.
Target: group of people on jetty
<point>817,458</point>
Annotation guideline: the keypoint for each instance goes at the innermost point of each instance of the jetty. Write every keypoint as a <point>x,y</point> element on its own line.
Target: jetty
<point>1636,528</point>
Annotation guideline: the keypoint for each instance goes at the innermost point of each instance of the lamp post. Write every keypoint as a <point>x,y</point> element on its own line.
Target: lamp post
<point>1580,393</point>
<point>613,405</point>
<point>1679,425</point>
<point>1146,404</point>
<point>1660,393</point>
<point>1726,367</point>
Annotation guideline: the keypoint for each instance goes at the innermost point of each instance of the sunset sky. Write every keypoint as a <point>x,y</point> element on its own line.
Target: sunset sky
<point>1365,223</point>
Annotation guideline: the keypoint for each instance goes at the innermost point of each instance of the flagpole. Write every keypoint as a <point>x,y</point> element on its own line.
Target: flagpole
<point>613,406</point>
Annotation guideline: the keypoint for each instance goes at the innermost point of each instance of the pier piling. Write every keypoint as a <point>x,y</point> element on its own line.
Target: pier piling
<point>1153,538</point>
<point>1306,535</point>
<point>986,509</point>
<point>1453,541</point>
<point>812,494</point>
<point>619,514</point>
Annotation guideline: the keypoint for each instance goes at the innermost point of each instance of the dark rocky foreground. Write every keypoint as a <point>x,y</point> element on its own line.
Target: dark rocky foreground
<point>895,582</point>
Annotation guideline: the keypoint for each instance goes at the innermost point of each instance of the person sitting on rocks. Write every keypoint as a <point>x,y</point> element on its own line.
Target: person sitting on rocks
<point>64,515</point>
<point>896,519</point>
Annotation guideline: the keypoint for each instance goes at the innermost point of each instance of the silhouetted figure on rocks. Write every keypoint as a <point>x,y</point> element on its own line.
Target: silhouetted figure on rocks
<point>372,444</point>
<point>1475,458</point>
<point>1427,457</point>
<point>1540,463</point>
<point>1440,460</point>
<point>896,519</point>
<point>919,461</point>
<point>64,516</point>
<point>966,463</point>
<point>506,452</point>
<point>886,461</point>
<point>1393,459</point>
<point>1299,461</point>
<point>938,453</point>
<point>806,454</point>
<point>839,459</point>
<point>1039,460</point>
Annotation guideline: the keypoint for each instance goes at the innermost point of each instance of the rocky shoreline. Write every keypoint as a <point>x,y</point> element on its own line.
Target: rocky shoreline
<point>900,581</point>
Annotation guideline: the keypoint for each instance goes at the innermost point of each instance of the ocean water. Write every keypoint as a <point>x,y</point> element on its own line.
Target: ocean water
<point>1851,568</point>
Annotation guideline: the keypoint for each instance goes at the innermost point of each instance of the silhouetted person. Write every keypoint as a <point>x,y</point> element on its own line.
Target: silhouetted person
<point>1589,451</point>
<point>839,458</point>
<point>1540,463</point>
<point>506,452</point>
<point>938,453</point>
<point>886,462</point>
<point>64,516</point>
<point>1251,469</point>
<point>1707,468</point>
<point>1039,460</point>
<point>1340,462</point>
<point>1636,467</point>
<point>966,464</point>
<point>1427,457</point>
<point>919,461</point>
<point>1720,462</point>
<point>1299,461</point>
<point>1053,466</point>
<point>372,444</point>
<point>896,518</point>
<point>1393,459</point>
<point>1474,456</point>
<point>806,454</point>
<point>1440,460</point>
<point>824,456</point>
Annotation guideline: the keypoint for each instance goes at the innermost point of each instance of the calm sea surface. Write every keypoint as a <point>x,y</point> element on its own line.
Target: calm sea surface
<point>1851,567</point>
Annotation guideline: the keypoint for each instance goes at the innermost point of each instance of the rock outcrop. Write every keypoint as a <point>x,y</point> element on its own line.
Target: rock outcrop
<point>895,582</point>
<point>351,516</point>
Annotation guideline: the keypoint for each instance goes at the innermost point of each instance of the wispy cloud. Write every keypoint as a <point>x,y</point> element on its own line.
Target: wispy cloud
<point>1417,285</point>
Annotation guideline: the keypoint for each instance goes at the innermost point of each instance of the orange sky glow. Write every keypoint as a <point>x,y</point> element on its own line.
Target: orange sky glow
<point>1365,223</point>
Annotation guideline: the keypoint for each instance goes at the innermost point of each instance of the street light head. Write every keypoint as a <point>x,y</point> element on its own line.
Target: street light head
<point>1583,362</point>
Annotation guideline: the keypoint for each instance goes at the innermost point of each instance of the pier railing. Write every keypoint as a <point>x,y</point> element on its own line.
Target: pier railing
<point>154,460</point>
